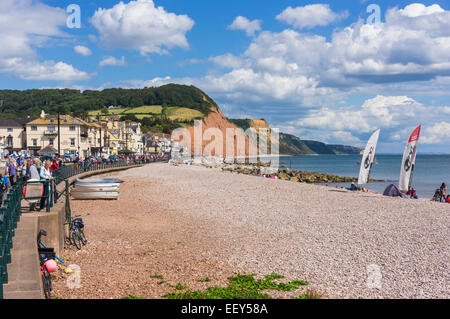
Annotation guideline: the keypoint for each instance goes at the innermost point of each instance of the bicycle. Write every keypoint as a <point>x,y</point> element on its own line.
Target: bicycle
<point>76,232</point>
<point>47,263</point>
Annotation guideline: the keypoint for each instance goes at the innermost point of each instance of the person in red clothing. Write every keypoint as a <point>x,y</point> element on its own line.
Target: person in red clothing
<point>54,166</point>
<point>448,199</point>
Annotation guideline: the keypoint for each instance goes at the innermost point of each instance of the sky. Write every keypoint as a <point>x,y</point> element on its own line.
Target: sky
<point>330,71</point>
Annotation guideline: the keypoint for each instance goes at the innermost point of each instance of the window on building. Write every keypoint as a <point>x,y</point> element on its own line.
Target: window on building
<point>99,140</point>
<point>34,141</point>
<point>50,141</point>
<point>10,129</point>
<point>51,128</point>
<point>9,141</point>
<point>72,128</point>
<point>33,127</point>
<point>72,142</point>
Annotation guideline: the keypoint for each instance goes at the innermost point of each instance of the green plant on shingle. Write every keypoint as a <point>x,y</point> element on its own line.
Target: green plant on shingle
<point>179,287</point>
<point>132,297</point>
<point>309,294</point>
<point>241,287</point>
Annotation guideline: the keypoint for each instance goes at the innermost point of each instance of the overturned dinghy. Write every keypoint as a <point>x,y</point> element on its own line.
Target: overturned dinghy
<point>80,194</point>
<point>107,188</point>
<point>99,181</point>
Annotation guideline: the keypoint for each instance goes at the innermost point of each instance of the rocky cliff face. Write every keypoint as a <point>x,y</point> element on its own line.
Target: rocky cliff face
<point>215,144</point>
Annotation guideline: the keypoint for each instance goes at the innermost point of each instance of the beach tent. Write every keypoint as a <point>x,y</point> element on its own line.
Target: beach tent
<point>392,191</point>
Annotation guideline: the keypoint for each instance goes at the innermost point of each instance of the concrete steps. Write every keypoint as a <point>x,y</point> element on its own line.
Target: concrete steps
<point>24,278</point>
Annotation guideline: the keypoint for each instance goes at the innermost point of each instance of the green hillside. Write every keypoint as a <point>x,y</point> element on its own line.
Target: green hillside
<point>292,145</point>
<point>16,103</point>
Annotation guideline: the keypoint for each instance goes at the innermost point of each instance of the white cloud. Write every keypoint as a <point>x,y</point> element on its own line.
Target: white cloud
<point>139,25</point>
<point>344,137</point>
<point>378,112</point>
<point>228,61</point>
<point>22,29</point>
<point>402,49</point>
<point>395,115</point>
<point>310,16</point>
<point>242,23</point>
<point>418,9</point>
<point>110,60</point>
<point>439,133</point>
<point>43,71</point>
<point>84,51</point>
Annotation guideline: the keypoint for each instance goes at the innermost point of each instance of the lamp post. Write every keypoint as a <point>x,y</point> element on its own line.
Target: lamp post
<point>59,134</point>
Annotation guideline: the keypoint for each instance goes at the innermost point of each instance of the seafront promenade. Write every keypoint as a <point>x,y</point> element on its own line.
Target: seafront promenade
<point>20,276</point>
<point>181,224</point>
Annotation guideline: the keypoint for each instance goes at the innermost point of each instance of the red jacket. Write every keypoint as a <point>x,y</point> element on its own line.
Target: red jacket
<point>54,166</point>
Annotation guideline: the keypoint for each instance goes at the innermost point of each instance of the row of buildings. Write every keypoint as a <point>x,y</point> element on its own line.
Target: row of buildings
<point>85,138</point>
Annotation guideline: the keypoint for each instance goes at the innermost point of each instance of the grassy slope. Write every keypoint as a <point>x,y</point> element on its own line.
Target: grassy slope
<point>146,109</point>
<point>182,113</point>
<point>174,113</point>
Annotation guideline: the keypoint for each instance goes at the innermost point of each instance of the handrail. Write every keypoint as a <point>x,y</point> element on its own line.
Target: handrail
<point>11,209</point>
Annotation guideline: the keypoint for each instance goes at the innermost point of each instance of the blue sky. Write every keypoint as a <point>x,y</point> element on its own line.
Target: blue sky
<point>312,68</point>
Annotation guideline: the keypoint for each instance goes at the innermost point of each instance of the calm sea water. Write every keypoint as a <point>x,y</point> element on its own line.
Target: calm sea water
<point>429,173</point>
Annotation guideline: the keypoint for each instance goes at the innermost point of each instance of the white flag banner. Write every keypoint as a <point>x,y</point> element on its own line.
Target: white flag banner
<point>408,161</point>
<point>368,157</point>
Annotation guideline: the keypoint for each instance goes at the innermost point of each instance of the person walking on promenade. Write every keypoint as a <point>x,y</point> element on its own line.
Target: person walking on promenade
<point>12,170</point>
<point>34,170</point>
<point>46,175</point>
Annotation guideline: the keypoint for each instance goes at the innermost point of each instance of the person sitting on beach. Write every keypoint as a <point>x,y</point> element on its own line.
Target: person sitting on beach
<point>412,193</point>
<point>443,191</point>
<point>447,200</point>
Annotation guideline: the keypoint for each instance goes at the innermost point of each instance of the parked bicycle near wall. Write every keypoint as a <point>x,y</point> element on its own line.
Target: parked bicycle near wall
<point>47,263</point>
<point>76,232</point>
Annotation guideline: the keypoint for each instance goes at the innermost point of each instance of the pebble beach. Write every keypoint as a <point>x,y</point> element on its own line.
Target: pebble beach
<point>181,224</point>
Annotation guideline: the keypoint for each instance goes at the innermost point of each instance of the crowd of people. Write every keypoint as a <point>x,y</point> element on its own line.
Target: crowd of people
<point>41,168</point>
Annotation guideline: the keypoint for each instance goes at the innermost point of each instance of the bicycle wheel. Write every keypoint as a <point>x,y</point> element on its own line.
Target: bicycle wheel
<point>75,238</point>
<point>47,283</point>
<point>82,236</point>
<point>72,237</point>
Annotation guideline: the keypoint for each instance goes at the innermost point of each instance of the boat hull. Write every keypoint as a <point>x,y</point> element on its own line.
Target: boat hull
<point>94,195</point>
<point>96,186</point>
<point>99,181</point>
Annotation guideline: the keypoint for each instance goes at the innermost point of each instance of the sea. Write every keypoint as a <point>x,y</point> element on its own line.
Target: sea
<point>430,171</point>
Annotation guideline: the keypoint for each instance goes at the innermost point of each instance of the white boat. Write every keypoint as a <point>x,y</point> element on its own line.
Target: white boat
<point>99,181</point>
<point>93,188</point>
<point>94,195</point>
<point>96,185</point>
<point>106,188</point>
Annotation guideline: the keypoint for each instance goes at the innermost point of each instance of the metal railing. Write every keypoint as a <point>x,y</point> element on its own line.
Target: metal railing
<point>11,209</point>
<point>9,217</point>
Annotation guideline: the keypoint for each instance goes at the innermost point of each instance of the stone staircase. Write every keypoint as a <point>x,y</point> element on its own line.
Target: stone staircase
<point>24,278</point>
